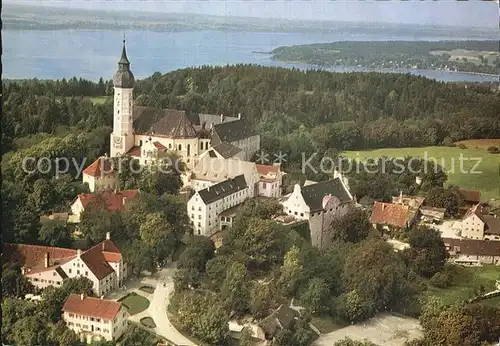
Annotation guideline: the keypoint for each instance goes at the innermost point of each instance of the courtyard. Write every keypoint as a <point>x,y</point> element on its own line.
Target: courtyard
<point>384,330</point>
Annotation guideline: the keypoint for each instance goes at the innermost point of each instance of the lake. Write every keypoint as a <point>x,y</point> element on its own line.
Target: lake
<point>94,54</point>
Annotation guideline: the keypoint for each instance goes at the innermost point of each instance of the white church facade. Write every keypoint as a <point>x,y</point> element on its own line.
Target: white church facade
<point>146,132</point>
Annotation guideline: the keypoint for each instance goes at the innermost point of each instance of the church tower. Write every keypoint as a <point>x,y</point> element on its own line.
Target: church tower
<point>122,138</point>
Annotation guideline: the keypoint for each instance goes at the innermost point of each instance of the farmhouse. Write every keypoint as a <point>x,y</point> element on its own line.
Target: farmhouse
<point>477,224</point>
<point>146,132</point>
<point>95,318</point>
<point>46,266</point>
<point>472,251</point>
<point>320,204</point>
<point>392,215</point>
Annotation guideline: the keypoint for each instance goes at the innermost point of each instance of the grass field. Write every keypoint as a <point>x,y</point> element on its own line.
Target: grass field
<point>99,99</point>
<point>484,177</point>
<point>480,143</point>
<point>135,303</point>
<point>467,280</point>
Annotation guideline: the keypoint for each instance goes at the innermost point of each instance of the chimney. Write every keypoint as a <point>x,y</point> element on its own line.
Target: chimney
<point>78,253</point>
<point>82,296</point>
<point>102,297</point>
<point>108,236</point>
<point>102,246</point>
<point>124,199</point>
<point>23,270</point>
<point>222,118</point>
<point>239,116</point>
<point>47,258</point>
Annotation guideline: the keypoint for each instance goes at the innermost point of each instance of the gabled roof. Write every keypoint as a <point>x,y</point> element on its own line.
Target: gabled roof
<point>101,167</point>
<point>313,194</point>
<point>492,224</point>
<point>135,151</point>
<point>470,195</point>
<point>163,122</point>
<point>115,201</point>
<point>93,307</point>
<point>282,318</point>
<point>207,120</point>
<point>474,247</point>
<point>390,214</point>
<point>96,261</point>
<point>268,173</point>
<point>226,150</point>
<point>223,189</point>
<point>232,131</point>
<point>32,257</point>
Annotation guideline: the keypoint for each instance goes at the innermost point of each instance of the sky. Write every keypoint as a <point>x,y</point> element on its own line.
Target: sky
<point>474,13</point>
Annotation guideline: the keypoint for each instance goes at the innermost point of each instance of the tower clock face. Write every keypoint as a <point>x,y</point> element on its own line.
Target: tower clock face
<point>117,142</point>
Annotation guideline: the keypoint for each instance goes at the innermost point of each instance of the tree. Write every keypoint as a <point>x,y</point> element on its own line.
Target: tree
<point>290,272</point>
<point>297,334</point>
<point>262,241</point>
<point>160,180</point>
<point>246,337</point>
<point>234,288</point>
<point>352,308</point>
<point>448,325</point>
<point>53,233</point>
<point>262,296</point>
<point>378,275</point>
<point>427,253</point>
<point>14,310</point>
<point>136,336</point>
<point>14,284</point>
<point>30,330</point>
<point>316,295</point>
<point>352,227</point>
<point>449,198</point>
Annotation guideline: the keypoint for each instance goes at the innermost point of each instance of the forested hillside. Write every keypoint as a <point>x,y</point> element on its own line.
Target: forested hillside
<point>309,109</point>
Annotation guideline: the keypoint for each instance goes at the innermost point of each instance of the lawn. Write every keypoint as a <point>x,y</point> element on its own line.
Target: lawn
<point>99,99</point>
<point>134,303</point>
<point>467,280</point>
<point>147,289</point>
<point>485,177</point>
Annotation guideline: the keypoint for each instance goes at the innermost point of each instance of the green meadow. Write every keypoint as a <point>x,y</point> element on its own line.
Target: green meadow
<point>473,168</point>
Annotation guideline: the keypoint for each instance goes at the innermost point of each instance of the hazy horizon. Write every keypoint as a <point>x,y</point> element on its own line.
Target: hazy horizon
<point>472,13</point>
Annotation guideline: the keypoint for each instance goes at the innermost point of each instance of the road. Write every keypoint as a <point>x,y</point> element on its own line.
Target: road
<point>158,311</point>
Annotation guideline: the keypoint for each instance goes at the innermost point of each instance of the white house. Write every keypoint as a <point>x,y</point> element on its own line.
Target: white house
<point>270,180</point>
<point>478,225</point>
<point>100,175</point>
<point>46,266</point>
<point>320,204</point>
<point>206,206</point>
<point>95,318</point>
<point>145,132</point>
<point>210,171</point>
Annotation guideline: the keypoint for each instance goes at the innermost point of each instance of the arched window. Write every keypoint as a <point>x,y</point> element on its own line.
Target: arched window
<point>140,143</point>
<point>180,147</point>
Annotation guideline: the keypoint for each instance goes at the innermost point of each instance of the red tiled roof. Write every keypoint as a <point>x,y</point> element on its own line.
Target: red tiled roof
<point>160,146</point>
<point>471,195</point>
<point>114,200</point>
<point>101,167</point>
<point>390,214</point>
<point>111,257</point>
<point>134,151</point>
<point>267,169</point>
<point>94,307</point>
<point>32,255</point>
<point>474,247</point>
